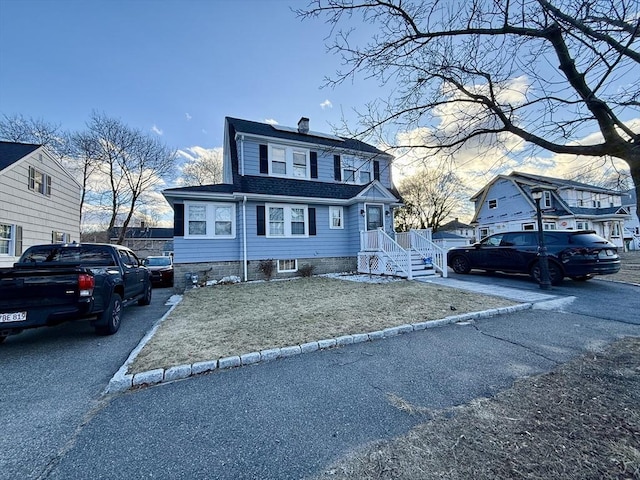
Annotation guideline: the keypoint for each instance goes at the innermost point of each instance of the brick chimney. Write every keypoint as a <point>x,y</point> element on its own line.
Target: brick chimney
<point>303,125</point>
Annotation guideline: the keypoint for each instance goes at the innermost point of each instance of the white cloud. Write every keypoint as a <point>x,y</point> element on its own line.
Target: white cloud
<point>156,130</point>
<point>271,121</point>
<point>326,104</point>
<point>187,116</point>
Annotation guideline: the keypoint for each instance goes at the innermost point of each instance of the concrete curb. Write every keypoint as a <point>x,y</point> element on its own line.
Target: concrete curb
<point>122,381</point>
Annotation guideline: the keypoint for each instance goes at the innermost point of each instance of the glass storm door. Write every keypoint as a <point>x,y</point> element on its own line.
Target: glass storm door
<point>374,217</point>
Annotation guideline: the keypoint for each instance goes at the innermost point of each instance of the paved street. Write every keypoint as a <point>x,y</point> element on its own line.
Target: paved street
<point>289,418</point>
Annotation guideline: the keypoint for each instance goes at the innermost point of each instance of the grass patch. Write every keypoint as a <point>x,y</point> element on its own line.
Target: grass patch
<point>225,320</point>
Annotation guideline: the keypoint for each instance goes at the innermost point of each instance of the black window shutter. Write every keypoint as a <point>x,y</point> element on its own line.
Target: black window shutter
<point>376,170</point>
<point>312,221</point>
<point>337,168</point>
<point>314,164</point>
<point>178,220</point>
<point>260,218</point>
<point>264,159</point>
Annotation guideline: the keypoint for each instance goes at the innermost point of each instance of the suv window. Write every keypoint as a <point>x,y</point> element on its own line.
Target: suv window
<point>517,239</point>
<point>492,241</point>
<point>555,239</point>
<point>586,239</point>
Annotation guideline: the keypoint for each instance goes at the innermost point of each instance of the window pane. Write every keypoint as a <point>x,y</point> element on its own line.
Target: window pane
<point>297,228</point>
<point>278,154</point>
<point>299,171</point>
<point>223,228</point>
<point>197,212</point>
<point>349,175</point>
<point>276,221</point>
<point>223,214</point>
<point>365,177</point>
<point>197,228</point>
<point>279,167</point>
<point>297,214</point>
<point>336,217</point>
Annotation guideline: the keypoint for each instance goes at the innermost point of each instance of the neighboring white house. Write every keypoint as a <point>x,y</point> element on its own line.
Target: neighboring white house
<point>505,203</point>
<point>632,225</point>
<point>39,200</point>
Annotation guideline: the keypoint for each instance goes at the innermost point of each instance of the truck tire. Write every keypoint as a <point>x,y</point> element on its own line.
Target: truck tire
<point>111,317</point>
<point>146,298</point>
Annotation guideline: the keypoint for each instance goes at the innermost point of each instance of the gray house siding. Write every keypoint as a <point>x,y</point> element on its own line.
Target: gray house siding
<point>510,205</point>
<point>38,214</point>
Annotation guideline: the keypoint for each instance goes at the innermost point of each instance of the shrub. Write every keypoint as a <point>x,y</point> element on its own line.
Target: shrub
<point>267,267</point>
<point>306,270</point>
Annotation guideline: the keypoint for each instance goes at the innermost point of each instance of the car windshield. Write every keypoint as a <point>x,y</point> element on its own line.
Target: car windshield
<point>157,262</point>
<point>587,239</point>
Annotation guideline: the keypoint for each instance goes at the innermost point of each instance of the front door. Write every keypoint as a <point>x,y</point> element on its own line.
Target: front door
<point>374,217</point>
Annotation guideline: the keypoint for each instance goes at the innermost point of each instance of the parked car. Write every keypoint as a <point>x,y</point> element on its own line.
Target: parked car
<point>161,269</point>
<point>578,254</point>
<point>51,284</point>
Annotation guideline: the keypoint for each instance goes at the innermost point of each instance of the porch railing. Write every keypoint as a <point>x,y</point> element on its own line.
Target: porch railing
<point>379,241</point>
<point>421,243</point>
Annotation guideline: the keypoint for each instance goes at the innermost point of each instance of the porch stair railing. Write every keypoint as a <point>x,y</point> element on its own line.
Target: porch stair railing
<point>410,254</point>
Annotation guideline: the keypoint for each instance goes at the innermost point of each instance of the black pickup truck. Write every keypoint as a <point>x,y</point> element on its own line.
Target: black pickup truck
<point>51,284</point>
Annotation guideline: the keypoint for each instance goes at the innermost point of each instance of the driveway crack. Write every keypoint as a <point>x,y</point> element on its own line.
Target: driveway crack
<point>517,344</point>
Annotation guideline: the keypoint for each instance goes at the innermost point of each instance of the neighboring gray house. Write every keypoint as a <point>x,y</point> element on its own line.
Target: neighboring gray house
<point>292,195</point>
<point>145,241</point>
<point>39,200</point>
<point>505,204</point>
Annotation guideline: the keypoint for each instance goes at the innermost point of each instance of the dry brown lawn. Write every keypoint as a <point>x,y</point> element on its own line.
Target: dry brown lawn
<point>224,320</point>
<point>629,268</point>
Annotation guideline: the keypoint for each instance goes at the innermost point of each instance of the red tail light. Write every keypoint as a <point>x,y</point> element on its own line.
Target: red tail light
<point>86,284</point>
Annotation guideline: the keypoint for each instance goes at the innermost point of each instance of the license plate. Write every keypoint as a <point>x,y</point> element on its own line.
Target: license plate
<point>13,317</point>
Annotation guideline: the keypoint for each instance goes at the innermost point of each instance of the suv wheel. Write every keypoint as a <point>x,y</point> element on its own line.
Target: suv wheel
<point>460,264</point>
<point>555,273</point>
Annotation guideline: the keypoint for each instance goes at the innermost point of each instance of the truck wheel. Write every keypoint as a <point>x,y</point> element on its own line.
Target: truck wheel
<point>146,299</point>
<point>110,318</point>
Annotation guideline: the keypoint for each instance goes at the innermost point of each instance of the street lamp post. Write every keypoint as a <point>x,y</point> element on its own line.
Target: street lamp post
<point>543,259</point>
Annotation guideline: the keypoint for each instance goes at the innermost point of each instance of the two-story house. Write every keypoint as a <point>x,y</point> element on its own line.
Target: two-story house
<point>39,200</point>
<point>505,203</point>
<point>292,195</point>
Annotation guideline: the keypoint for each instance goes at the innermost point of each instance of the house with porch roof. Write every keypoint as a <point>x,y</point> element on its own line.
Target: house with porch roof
<point>294,197</point>
<point>505,203</point>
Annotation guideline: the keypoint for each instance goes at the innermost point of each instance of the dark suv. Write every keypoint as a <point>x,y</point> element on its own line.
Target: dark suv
<point>579,254</point>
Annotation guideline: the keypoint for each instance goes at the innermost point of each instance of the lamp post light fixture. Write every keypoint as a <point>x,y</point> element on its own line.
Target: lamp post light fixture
<point>543,259</point>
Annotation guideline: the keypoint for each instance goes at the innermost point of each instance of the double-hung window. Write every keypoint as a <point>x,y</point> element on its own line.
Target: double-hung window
<point>355,170</point>
<point>335,217</point>
<point>292,162</point>
<point>5,239</point>
<point>287,220</point>
<point>209,220</point>
<point>39,182</point>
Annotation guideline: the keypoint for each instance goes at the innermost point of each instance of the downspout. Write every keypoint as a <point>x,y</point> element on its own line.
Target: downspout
<point>244,237</point>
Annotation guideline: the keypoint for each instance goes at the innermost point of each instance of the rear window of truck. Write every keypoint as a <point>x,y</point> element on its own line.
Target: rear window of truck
<point>71,255</point>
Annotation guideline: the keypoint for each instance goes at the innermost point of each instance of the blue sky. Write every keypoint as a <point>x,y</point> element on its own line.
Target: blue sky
<point>176,68</point>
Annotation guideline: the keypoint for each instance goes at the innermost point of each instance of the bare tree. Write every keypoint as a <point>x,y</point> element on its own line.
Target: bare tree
<point>202,167</point>
<point>430,196</point>
<point>129,164</point>
<point>17,128</point>
<point>546,73</point>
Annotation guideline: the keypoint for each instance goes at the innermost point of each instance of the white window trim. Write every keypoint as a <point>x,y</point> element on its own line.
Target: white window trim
<point>295,265</point>
<point>546,199</point>
<point>287,220</point>
<point>288,157</point>
<point>10,241</point>
<point>210,218</point>
<point>341,215</point>
<point>548,226</point>
<point>357,165</point>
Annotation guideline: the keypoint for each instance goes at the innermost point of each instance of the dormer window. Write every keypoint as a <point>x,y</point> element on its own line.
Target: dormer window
<point>278,161</point>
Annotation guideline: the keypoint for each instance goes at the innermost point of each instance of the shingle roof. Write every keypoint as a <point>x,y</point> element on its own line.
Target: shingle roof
<point>267,130</point>
<point>561,182</point>
<point>11,152</point>
<point>153,233</point>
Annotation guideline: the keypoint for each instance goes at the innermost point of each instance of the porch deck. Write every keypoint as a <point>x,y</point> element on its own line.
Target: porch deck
<point>408,254</point>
